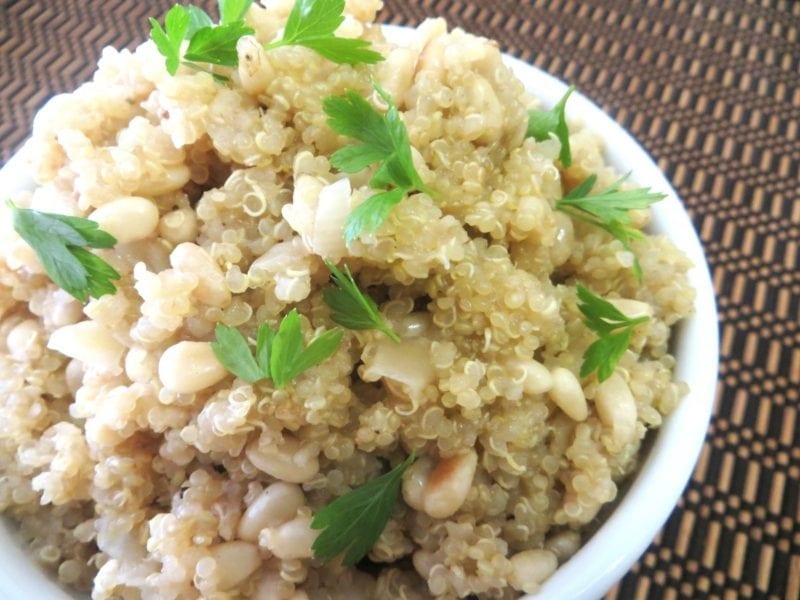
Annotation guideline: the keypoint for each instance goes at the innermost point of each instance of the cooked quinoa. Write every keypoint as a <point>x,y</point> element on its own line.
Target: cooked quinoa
<point>137,467</point>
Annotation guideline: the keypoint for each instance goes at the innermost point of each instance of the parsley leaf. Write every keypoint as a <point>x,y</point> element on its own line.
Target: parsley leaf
<point>168,39</point>
<point>279,356</point>
<point>611,204</point>
<point>198,18</point>
<point>614,331</point>
<point>217,45</point>
<point>233,11</point>
<point>208,43</point>
<point>60,241</point>
<point>264,339</point>
<point>608,210</point>
<point>541,123</point>
<point>383,139</point>
<point>231,349</point>
<point>353,522</point>
<point>312,24</point>
<point>372,213</point>
<point>351,307</point>
<point>288,358</point>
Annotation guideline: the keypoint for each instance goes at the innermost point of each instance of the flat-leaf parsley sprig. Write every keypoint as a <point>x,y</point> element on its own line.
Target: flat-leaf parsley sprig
<point>352,308</point>
<point>608,210</point>
<point>353,522</point>
<point>383,140</point>
<point>233,351</point>
<point>312,24</point>
<point>60,242</point>
<point>614,331</point>
<point>279,356</point>
<point>541,123</point>
<point>208,43</point>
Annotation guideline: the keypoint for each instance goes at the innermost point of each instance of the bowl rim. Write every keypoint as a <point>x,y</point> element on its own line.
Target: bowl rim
<point>655,488</point>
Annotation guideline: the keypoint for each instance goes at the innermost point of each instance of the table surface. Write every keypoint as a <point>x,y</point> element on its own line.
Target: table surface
<point>712,89</point>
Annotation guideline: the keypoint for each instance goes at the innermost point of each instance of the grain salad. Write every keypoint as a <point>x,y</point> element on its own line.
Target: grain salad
<point>295,312</point>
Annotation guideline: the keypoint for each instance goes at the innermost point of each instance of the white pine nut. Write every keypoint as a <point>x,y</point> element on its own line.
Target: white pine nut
<point>74,375</point>
<point>291,540</point>
<point>414,480</point>
<point>236,561</point>
<point>568,395</point>
<point>255,70</point>
<point>448,485</point>
<point>188,367</point>
<point>211,288</point>
<point>397,71</point>
<point>178,226</point>
<point>90,343</point>
<point>128,219</point>
<point>536,379</point>
<point>276,505</point>
<point>563,544</point>
<point>173,178</point>
<point>531,568</point>
<point>292,461</point>
<point>616,408</point>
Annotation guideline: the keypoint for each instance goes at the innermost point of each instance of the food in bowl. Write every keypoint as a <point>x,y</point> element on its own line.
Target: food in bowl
<point>293,317</point>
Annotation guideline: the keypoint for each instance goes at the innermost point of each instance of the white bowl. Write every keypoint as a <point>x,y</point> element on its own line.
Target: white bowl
<point>656,486</point>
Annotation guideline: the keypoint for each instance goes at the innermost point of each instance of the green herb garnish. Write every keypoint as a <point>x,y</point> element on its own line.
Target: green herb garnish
<point>541,123</point>
<point>288,358</point>
<point>312,24</point>
<point>198,18</point>
<point>353,522</point>
<point>232,350</point>
<point>614,331</point>
<point>352,308</point>
<point>208,43</point>
<point>60,242</point>
<point>168,39</point>
<point>217,45</point>
<point>233,11</point>
<point>609,210</point>
<point>279,356</point>
<point>384,140</point>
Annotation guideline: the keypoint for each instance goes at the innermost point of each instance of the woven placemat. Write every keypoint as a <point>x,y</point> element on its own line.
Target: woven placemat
<point>712,89</point>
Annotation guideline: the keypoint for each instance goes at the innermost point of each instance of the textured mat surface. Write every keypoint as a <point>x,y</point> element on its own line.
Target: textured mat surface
<point>712,89</point>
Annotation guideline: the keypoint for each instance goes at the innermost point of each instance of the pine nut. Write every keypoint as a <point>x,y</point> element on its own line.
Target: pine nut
<point>616,408</point>
<point>90,343</point>
<point>448,485</point>
<point>188,367</point>
<point>276,505</point>
<point>531,568</point>
<point>128,219</point>
<point>290,462</point>
<point>568,395</point>
<point>236,561</point>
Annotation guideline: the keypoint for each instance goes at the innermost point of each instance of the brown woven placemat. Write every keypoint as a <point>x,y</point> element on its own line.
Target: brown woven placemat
<point>712,89</point>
